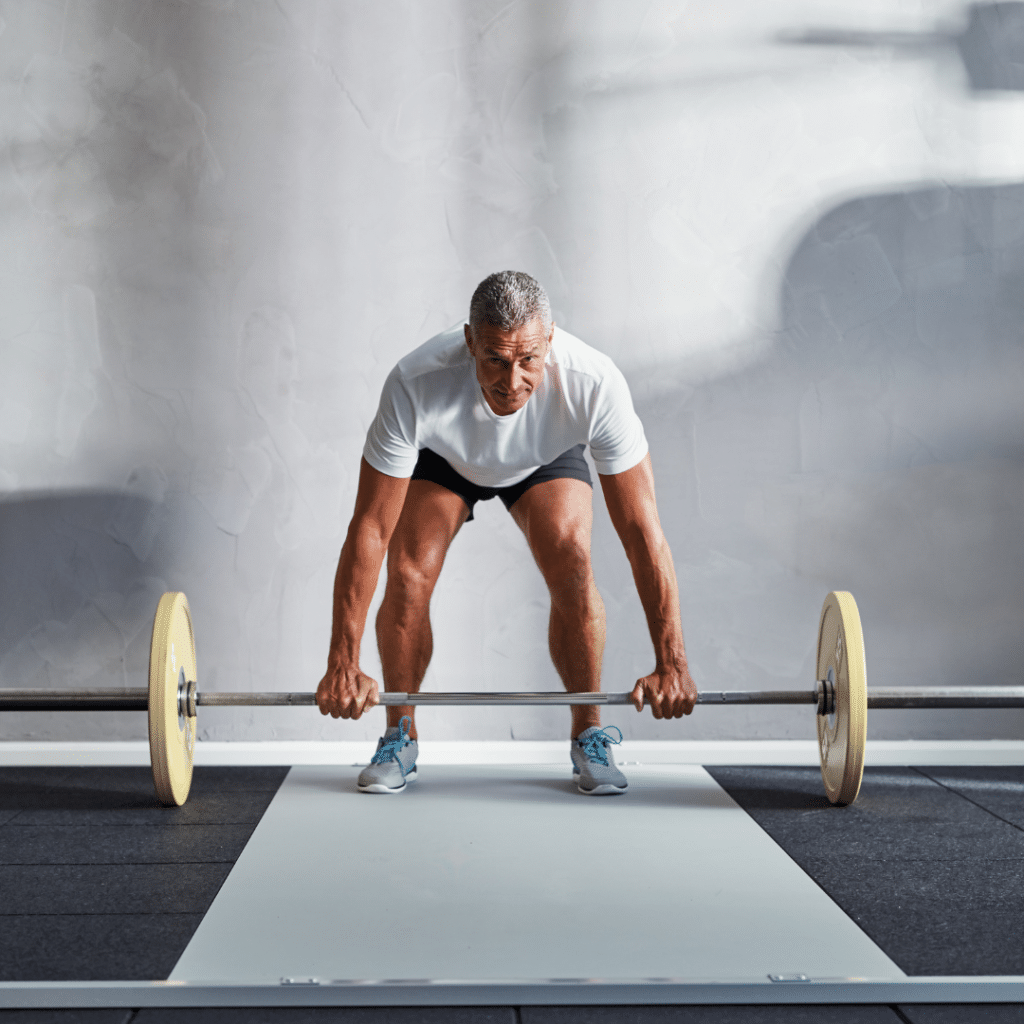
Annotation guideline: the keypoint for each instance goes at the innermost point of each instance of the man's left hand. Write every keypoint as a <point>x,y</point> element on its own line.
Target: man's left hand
<point>671,692</point>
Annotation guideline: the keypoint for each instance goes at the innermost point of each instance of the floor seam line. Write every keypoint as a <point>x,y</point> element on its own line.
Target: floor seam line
<point>110,863</point>
<point>981,807</point>
<point>112,913</point>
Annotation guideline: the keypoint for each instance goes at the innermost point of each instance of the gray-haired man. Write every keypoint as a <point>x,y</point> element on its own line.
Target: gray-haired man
<point>501,407</point>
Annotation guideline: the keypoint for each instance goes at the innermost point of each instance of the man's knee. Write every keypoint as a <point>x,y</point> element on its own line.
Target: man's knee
<point>564,561</point>
<point>412,575</point>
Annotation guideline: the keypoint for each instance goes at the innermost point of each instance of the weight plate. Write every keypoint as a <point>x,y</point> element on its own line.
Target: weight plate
<point>842,735</point>
<point>172,666</point>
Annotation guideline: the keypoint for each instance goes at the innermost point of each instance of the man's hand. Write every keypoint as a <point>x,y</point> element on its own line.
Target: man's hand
<point>346,693</point>
<point>671,692</point>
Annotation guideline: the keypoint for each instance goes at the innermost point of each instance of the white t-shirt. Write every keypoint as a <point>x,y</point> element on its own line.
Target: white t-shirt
<point>432,399</point>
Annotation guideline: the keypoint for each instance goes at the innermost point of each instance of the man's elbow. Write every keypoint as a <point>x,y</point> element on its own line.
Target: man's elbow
<point>644,541</point>
<point>367,537</point>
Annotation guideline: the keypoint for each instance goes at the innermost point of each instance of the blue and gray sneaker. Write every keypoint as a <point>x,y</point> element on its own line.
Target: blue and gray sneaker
<point>593,767</point>
<point>394,764</point>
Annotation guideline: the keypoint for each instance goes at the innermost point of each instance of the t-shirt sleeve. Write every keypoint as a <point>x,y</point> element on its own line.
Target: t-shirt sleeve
<point>617,438</point>
<point>391,440</point>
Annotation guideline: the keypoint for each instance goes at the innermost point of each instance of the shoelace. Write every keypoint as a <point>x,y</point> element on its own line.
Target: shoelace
<point>594,745</point>
<point>390,747</point>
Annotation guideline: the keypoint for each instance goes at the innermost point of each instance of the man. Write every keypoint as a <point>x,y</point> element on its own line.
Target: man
<point>501,407</point>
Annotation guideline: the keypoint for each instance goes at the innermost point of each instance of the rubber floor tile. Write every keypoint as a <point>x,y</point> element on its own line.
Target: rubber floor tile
<point>120,778</point>
<point>30,775</point>
<point>242,808</point>
<point>899,812</point>
<point>109,888</point>
<point>125,795</point>
<point>230,779</point>
<point>122,844</point>
<point>99,947</point>
<point>66,1016</point>
<point>934,880</point>
<point>138,779</point>
<point>930,939</point>
<point>708,1015</point>
<point>937,935</point>
<point>892,885</point>
<point>27,787</point>
<point>329,1015</point>
<point>971,1013</point>
<point>998,789</point>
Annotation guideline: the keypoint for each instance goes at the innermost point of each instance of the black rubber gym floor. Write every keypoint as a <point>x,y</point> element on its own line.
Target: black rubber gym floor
<point>98,882</point>
<point>929,862</point>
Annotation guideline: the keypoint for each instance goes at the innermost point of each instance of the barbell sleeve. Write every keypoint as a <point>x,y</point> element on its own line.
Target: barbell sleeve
<point>947,697</point>
<point>136,699</point>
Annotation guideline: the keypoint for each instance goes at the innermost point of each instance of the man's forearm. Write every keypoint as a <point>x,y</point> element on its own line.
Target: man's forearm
<point>355,581</point>
<point>655,577</point>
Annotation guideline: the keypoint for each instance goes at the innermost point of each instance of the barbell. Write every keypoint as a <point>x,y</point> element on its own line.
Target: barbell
<point>840,696</point>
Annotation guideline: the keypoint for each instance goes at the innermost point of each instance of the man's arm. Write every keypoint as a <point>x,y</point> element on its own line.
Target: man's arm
<point>344,689</point>
<point>669,689</point>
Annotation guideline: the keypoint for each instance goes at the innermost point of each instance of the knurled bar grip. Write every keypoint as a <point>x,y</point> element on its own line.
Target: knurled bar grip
<point>297,699</point>
<point>138,699</point>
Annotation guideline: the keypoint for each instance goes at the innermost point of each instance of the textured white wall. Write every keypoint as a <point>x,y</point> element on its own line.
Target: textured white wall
<point>797,226</point>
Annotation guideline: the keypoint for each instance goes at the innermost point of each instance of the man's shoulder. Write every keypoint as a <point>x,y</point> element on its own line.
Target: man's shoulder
<point>577,356</point>
<point>444,351</point>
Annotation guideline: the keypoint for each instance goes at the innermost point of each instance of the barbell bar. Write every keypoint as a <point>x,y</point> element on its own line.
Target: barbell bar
<point>840,695</point>
<point>137,698</point>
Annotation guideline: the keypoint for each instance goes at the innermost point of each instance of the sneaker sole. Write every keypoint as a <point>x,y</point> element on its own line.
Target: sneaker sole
<point>605,789</point>
<point>379,787</point>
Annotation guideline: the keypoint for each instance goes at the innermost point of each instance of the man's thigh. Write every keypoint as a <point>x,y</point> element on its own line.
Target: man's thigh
<point>556,516</point>
<point>431,516</point>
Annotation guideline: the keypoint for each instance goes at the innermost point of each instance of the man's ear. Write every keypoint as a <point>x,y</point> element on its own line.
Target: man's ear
<point>469,337</point>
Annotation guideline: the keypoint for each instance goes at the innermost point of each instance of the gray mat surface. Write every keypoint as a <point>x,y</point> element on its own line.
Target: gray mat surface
<point>497,872</point>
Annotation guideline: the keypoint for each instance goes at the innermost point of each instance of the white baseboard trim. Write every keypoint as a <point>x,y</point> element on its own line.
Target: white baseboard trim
<point>707,752</point>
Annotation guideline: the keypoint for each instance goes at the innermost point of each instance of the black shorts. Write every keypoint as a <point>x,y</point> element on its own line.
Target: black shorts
<point>430,466</point>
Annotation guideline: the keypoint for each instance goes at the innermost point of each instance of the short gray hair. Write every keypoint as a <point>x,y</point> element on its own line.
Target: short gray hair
<point>508,300</point>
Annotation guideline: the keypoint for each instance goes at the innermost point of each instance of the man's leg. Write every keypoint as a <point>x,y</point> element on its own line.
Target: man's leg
<point>556,516</point>
<point>430,518</point>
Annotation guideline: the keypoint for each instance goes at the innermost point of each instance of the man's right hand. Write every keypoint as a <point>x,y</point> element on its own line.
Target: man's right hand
<point>346,693</point>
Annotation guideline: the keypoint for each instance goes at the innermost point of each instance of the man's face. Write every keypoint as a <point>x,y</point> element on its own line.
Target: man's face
<point>509,364</point>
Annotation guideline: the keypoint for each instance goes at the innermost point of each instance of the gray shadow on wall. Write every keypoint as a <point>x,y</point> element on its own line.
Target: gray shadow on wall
<point>880,446</point>
<point>880,449</point>
<point>108,152</point>
<point>80,577</point>
<point>990,44</point>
